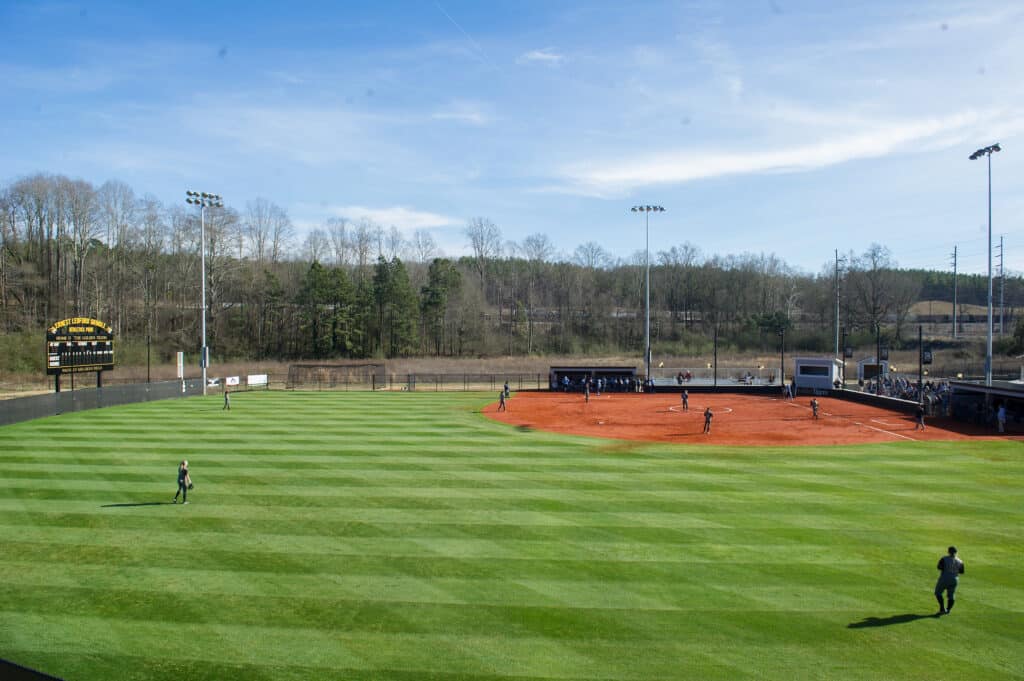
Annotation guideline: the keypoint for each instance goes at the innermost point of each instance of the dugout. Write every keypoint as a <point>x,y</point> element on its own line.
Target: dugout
<point>977,403</point>
<point>817,373</point>
<point>572,378</point>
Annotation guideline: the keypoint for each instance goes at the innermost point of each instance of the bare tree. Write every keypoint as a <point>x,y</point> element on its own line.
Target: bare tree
<point>117,213</point>
<point>871,285</point>
<point>394,243</point>
<point>538,248</point>
<point>485,241</point>
<point>8,243</point>
<point>362,243</point>
<point>79,203</point>
<point>591,256</point>
<point>341,243</point>
<point>316,246</point>
<point>258,228</point>
<point>267,230</point>
<point>282,233</point>
<point>424,248</point>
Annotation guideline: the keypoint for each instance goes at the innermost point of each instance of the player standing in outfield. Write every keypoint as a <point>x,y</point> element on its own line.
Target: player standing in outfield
<point>919,417</point>
<point>686,401</point>
<point>814,407</point>
<point>227,399</point>
<point>950,569</point>
<point>501,401</point>
<point>708,415</point>
<point>183,482</point>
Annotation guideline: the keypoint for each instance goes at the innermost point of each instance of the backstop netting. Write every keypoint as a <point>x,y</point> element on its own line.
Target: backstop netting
<point>336,376</point>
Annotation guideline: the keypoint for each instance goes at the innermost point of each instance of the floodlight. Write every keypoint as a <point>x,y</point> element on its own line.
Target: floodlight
<point>203,200</point>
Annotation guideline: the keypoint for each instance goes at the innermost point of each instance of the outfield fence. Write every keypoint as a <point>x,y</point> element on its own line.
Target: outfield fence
<point>54,404</point>
<point>19,409</point>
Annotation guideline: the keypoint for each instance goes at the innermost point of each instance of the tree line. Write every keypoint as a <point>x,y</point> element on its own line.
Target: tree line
<point>355,289</point>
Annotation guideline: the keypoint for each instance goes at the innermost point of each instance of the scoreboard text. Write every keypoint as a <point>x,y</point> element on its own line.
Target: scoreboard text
<point>79,344</point>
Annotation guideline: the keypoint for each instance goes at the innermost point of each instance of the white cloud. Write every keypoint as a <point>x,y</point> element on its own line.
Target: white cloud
<point>405,219</point>
<point>545,56</point>
<point>463,112</point>
<point>610,178</point>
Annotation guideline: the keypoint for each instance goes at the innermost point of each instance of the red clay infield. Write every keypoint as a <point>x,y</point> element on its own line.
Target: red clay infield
<point>738,419</point>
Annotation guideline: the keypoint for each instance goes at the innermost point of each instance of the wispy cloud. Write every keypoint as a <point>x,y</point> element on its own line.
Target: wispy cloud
<point>313,135</point>
<point>463,112</point>
<point>722,61</point>
<point>604,178</point>
<point>75,79</point>
<point>544,56</point>
<point>402,217</point>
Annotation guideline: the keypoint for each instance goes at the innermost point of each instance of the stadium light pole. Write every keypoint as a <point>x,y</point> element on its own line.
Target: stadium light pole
<point>204,200</point>
<point>782,357</point>
<point>647,210</point>
<point>987,152</point>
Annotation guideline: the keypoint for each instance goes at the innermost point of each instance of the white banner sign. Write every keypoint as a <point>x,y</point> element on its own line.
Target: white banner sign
<point>181,365</point>
<point>232,380</point>
<point>256,379</point>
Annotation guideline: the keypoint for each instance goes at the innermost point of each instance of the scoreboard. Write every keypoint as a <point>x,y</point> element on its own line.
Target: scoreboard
<point>79,344</point>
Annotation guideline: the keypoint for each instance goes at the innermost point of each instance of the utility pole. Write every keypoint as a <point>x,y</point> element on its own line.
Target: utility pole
<point>954,292</point>
<point>837,302</point>
<point>1002,284</point>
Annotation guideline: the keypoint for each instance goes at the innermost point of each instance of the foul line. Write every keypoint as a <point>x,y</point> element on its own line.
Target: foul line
<point>887,432</point>
<point>721,410</point>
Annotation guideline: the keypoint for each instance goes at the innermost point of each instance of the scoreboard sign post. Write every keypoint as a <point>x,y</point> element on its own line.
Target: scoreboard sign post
<point>77,345</point>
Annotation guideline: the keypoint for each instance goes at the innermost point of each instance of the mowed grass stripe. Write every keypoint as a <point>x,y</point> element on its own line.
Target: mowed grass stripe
<point>542,656</point>
<point>374,523</point>
<point>315,524</point>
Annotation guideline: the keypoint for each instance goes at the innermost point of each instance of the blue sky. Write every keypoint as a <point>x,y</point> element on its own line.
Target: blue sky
<point>762,127</point>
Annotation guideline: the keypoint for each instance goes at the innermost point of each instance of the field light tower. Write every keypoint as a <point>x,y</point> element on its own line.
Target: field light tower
<point>987,152</point>
<point>647,210</point>
<point>204,201</point>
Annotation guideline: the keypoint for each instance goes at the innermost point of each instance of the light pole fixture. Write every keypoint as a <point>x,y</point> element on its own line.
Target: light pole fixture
<point>204,201</point>
<point>987,152</point>
<point>647,210</point>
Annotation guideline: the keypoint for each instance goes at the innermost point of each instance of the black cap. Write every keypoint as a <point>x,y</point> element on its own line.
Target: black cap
<point>952,550</point>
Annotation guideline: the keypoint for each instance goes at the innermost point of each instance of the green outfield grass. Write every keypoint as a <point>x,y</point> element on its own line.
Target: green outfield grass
<point>405,536</point>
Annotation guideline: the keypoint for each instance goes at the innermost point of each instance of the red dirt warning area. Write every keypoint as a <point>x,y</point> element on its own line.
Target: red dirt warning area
<point>738,419</point>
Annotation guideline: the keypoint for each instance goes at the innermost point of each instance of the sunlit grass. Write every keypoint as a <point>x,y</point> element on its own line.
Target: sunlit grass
<point>406,536</point>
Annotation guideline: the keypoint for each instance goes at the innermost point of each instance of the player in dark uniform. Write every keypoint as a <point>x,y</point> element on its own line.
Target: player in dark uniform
<point>919,417</point>
<point>183,482</point>
<point>708,415</point>
<point>950,568</point>
<point>501,401</point>
<point>686,400</point>
<point>814,407</point>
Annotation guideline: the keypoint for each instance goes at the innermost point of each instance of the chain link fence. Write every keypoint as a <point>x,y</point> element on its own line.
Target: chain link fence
<point>53,404</point>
